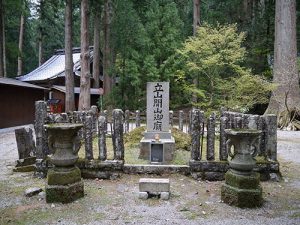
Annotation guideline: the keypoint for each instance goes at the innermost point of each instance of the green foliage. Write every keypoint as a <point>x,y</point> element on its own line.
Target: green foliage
<point>242,93</point>
<point>214,56</point>
<point>143,42</point>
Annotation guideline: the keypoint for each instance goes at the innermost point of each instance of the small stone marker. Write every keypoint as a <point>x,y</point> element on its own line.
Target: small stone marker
<point>26,150</point>
<point>154,186</point>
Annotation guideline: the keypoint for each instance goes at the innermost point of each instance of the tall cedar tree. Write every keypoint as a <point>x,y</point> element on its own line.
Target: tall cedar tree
<point>96,52</point>
<point>107,82</point>
<point>196,24</point>
<point>286,96</point>
<point>69,76</point>
<point>84,96</point>
<point>1,39</point>
<point>21,38</point>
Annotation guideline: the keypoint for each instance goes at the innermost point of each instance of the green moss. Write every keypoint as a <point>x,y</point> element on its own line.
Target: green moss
<point>243,182</point>
<point>63,177</point>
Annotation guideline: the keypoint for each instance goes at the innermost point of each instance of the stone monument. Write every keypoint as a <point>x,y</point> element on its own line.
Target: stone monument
<point>157,145</point>
<point>26,150</point>
<point>64,182</point>
<point>241,186</point>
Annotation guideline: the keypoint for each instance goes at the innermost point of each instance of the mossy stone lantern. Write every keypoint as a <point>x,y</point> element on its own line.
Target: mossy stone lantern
<point>241,186</point>
<point>64,183</point>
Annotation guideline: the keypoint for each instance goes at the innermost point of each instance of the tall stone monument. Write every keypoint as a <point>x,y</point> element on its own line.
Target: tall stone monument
<point>157,145</point>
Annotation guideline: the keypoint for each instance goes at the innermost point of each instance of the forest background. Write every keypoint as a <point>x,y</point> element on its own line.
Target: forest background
<point>149,41</point>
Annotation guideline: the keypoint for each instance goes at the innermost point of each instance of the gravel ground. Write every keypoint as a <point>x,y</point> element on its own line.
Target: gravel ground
<point>116,201</point>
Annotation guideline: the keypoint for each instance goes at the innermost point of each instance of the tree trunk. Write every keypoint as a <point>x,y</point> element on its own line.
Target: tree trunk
<point>21,38</point>
<point>196,15</point>
<point>196,24</point>
<point>3,36</point>
<point>286,95</point>
<point>1,39</point>
<point>40,34</point>
<point>107,50</point>
<point>69,76</point>
<point>84,96</point>
<point>96,56</point>
<point>40,48</point>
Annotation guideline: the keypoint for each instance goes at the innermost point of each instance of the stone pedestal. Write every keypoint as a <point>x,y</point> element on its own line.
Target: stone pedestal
<point>242,190</point>
<point>64,185</point>
<point>147,150</point>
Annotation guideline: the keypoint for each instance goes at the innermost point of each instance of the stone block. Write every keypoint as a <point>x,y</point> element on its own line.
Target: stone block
<point>143,195</point>
<point>164,195</point>
<point>28,168</point>
<point>242,181</point>
<point>154,185</point>
<point>64,193</point>
<point>243,198</point>
<point>63,176</point>
<point>25,161</point>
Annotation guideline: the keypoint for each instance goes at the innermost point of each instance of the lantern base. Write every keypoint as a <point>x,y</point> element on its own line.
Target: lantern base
<point>241,190</point>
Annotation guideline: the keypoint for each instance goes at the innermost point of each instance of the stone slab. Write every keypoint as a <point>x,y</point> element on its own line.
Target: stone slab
<point>29,168</point>
<point>154,185</point>
<point>162,135</point>
<point>64,193</point>
<point>26,161</point>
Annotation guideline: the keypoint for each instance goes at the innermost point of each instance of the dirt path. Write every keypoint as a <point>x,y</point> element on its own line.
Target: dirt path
<point>116,202</point>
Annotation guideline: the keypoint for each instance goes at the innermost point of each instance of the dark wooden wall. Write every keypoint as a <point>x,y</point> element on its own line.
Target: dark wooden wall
<point>17,105</point>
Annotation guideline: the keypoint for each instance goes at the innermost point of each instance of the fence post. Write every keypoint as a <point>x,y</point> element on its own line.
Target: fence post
<point>180,118</point>
<point>271,136</point>
<point>88,137</point>
<point>94,114</point>
<point>171,118</point>
<point>41,137</point>
<point>195,133</point>
<point>118,134</point>
<point>223,125</point>
<point>211,124</point>
<point>102,138</point>
<point>126,123</point>
<point>137,118</point>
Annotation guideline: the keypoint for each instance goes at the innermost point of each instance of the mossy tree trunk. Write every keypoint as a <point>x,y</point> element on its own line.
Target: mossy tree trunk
<point>286,95</point>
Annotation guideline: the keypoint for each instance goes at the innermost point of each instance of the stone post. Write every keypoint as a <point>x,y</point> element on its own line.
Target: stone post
<point>190,122</point>
<point>195,133</point>
<point>88,137</point>
<point>126,122</point>
<point>271,136</point>
<point>105,114</point>
<point>180,118</point>
<point>223,125</point>
<point>211,125</point>
<point>171,118</point>
<point>102,138</point>
<point>65,118</point>
<point>238,122</point>
<point>41,137</point>
<point>118,134</point>
<point>137,118</point>
<point>94,112</point>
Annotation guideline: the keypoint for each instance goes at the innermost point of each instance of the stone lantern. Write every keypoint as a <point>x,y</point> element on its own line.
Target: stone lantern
<point>241,186</point>
<point>64,183</point>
